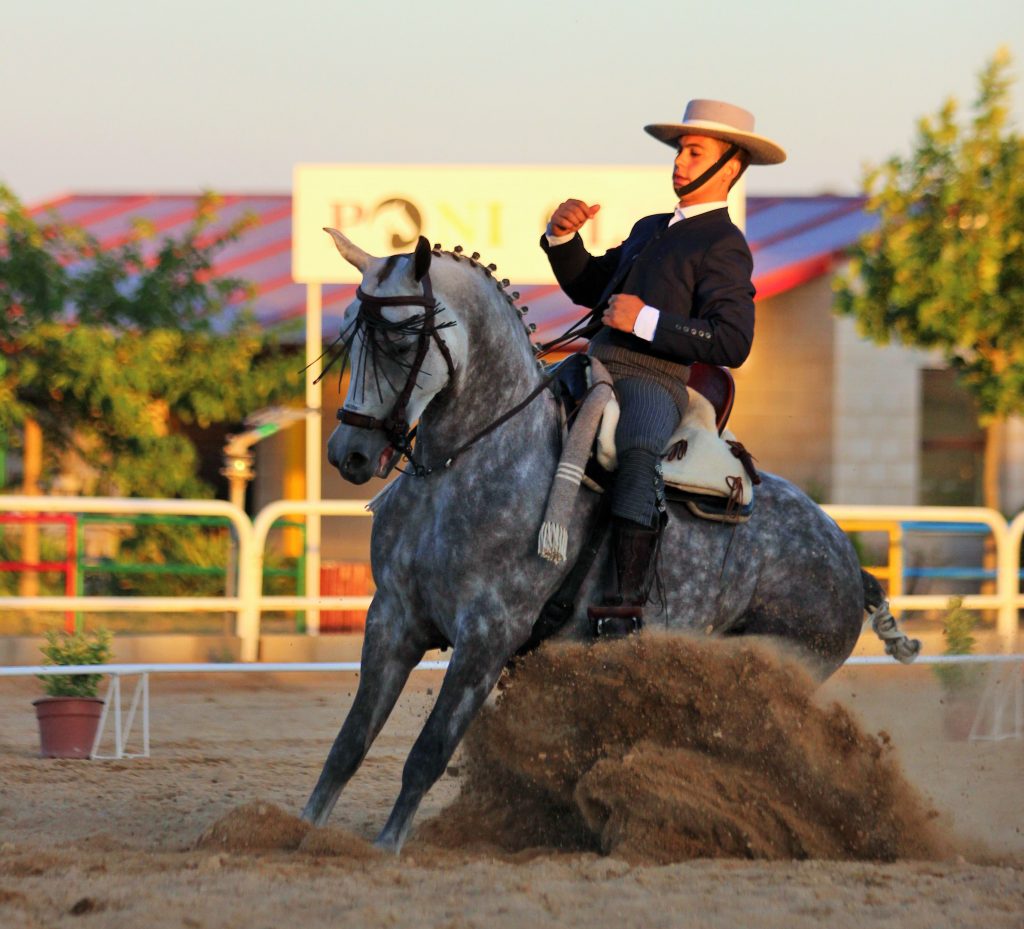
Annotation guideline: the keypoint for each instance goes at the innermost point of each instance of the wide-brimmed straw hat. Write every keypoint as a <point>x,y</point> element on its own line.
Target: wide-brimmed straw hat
<point>720,121</point>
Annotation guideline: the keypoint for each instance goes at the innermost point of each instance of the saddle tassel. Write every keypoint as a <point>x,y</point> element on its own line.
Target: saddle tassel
<point>553,542</point>
<point>553,539</point>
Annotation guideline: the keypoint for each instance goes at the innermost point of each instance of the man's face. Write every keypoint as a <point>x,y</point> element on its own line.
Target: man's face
<point>696,154</point>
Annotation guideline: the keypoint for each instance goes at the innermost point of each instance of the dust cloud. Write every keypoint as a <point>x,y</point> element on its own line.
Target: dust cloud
<point>660,749</point>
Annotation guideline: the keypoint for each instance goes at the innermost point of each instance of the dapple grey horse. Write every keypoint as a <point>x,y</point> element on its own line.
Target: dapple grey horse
<point>433,338</point>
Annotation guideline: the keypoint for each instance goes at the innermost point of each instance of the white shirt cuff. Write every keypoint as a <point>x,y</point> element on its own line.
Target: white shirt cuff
<point>557,239</point>
<point>646,323</point>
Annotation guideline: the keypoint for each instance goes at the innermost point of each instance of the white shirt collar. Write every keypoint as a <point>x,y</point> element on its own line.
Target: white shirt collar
<point>688,212</point>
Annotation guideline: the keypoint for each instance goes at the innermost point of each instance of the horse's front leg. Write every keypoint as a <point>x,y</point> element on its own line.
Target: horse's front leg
<point>482,648</point>
<point>390,652</point>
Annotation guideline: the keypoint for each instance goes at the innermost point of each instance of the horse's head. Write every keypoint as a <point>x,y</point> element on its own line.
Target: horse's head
<point>398,359</point>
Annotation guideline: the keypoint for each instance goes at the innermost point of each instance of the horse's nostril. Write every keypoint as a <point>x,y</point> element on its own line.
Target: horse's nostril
<point>354,461</point>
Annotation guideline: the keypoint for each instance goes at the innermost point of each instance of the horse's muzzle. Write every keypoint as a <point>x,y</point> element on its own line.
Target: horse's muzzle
<point>360,454</point>
<point>354,464</point>
<point>356,468</point>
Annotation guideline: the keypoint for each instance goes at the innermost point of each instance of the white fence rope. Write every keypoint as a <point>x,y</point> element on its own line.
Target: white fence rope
<point>285,667</point>
<point>211,668</point>
<point>1000,712</point>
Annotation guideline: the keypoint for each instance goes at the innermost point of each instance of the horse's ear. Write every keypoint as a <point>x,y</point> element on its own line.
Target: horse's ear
<point>421,259</point>
<point>351,252</point>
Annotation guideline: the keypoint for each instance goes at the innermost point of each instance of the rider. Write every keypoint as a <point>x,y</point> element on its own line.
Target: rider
<point>676,291</point>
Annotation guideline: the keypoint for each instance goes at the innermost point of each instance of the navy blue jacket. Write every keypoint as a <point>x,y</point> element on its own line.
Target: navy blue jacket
<point>697,272</point>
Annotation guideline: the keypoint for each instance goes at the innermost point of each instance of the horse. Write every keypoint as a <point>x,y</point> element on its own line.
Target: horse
<point>433,338</point>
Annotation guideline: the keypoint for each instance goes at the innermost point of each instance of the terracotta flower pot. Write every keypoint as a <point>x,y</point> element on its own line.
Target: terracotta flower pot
<point>67,725</point>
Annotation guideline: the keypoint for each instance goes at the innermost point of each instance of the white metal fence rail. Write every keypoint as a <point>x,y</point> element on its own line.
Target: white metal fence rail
<point>251,538</point>
<point>240,522</point>
<point>252,573</point>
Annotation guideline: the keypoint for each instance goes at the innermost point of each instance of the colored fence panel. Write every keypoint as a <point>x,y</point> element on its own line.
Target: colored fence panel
<point>251,537</point>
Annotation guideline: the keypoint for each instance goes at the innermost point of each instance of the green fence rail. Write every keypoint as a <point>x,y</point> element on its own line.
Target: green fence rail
<point>86,566</point>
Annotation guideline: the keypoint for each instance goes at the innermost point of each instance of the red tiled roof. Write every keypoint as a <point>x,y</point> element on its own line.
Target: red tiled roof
<point>793,239</point>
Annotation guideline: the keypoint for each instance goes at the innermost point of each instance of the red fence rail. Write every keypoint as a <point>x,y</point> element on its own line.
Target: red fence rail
<point>68,567</point>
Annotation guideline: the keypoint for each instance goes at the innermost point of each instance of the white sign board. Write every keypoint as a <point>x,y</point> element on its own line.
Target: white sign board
<point>498,211</point>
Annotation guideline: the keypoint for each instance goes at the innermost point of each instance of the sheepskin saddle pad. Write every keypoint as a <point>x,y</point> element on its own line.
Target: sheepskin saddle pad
<point>698,461</point>
<point>711,472</point>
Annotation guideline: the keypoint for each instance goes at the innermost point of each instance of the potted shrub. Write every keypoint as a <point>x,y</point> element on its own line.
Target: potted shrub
<point>70,713</point>
<point>961,683</point>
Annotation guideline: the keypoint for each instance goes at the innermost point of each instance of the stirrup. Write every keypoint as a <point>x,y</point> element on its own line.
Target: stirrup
<point>615,621</point>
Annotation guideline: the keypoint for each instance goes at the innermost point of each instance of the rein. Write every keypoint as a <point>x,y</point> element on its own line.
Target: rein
<point>420,471</point>
<point>395,425</point>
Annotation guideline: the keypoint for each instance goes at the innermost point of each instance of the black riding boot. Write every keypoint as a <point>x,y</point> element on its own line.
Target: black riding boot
<point>622,613</point>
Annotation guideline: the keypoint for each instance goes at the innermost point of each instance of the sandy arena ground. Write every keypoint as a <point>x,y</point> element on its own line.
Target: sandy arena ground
<point>113,843</point>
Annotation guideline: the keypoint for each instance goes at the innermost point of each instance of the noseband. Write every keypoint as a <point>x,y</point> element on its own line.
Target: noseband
<point>395,425</point>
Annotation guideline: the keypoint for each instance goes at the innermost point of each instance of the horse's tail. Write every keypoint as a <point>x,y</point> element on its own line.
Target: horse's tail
<point>903,649</point>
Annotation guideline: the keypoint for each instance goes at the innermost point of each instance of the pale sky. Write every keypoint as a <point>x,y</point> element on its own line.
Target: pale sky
<point>161,97</point>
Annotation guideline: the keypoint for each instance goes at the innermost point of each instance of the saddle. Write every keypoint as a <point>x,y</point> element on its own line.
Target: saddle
<point>712,483</point>
<point>704,466</point>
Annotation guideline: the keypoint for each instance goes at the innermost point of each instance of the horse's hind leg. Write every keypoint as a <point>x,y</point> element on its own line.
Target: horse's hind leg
<point>474,669</point>
<point>385,667</point>
<point>824,637</point>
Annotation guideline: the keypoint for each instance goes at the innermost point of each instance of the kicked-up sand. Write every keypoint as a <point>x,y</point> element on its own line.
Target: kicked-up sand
<point>655,782</point>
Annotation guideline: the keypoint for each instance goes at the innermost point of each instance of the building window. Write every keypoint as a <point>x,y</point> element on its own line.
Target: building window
<point>952,442</point>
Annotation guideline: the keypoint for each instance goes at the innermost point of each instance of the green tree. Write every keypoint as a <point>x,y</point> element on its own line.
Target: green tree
<point>109,350</point>
<point>944,269</point>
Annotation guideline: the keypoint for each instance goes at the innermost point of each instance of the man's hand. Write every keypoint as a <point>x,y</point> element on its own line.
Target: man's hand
<point>623,309</point>
<point>570,216</point>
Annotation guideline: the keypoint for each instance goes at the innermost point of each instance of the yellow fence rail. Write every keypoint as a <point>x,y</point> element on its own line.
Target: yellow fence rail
<point>892,571</point>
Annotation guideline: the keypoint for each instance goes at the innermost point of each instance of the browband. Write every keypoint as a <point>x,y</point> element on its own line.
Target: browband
<point>427,300</point>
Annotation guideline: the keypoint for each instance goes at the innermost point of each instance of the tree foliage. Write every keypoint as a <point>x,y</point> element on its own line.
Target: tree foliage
<point>944,269</point>
<point>110,348</point>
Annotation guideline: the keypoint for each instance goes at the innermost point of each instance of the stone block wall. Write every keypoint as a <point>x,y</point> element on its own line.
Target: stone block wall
<point>876,437</point>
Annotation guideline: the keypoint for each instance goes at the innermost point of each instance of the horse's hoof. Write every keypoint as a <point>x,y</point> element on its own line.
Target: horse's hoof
<point>388,846</point>
<point>315,815</point>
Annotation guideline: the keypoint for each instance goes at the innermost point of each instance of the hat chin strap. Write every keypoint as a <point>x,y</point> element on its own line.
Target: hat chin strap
<point>730,153</point>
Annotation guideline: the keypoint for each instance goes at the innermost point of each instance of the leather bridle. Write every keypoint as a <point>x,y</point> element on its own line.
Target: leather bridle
<point>395,425</point>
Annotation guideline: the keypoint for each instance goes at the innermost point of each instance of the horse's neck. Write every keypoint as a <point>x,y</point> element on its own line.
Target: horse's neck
<point>498,373</point>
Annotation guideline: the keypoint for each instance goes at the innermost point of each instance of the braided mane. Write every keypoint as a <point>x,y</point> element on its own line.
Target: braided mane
<point>388,340</point>
<point>458,254</point>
